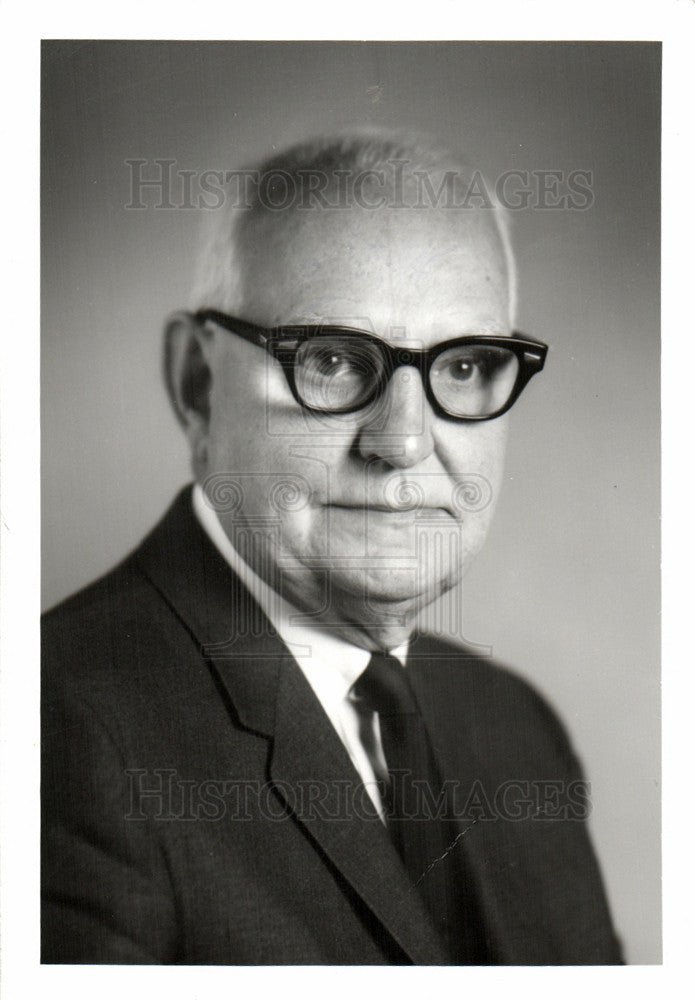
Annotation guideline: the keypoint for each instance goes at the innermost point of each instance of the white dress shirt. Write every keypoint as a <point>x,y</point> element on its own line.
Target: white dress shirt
<point>330,664</point>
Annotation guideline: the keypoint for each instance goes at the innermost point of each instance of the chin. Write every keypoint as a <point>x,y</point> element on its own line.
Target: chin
<point>386,595</point>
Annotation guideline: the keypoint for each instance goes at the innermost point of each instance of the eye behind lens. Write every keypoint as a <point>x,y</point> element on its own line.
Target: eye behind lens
<point>474,380</point>
<point>337,374</point>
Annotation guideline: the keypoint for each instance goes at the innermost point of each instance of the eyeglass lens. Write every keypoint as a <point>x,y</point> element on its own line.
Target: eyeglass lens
<point>472,381</point>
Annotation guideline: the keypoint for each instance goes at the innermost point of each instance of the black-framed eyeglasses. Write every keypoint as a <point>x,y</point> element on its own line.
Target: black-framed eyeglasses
<point>338,370</point>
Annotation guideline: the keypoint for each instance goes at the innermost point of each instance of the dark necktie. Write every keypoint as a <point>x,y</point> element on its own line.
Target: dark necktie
<point>416,810</point>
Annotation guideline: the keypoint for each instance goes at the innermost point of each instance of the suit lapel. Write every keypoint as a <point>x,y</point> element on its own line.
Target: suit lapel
<point>270,695</point>
<point>308,755</point>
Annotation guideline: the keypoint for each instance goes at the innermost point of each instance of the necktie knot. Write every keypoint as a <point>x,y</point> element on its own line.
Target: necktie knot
<point>384,687</point>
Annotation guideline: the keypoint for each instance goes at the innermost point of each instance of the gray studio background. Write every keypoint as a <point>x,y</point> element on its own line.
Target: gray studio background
<point>567,588</point>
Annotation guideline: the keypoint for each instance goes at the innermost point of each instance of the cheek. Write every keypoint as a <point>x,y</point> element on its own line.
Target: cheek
<point>238,432</point>
<point>474,460</point>
<point>261,486</point>
<point>484,448</point>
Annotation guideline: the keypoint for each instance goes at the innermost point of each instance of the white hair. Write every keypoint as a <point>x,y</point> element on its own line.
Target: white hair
<point>218,281</point>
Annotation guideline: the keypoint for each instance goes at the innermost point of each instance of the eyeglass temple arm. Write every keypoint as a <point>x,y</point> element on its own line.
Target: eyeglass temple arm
<point>248,331</point>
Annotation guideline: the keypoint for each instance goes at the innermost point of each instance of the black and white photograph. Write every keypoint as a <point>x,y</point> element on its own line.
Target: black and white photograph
<point>350,503</point>
<point>291,727</point>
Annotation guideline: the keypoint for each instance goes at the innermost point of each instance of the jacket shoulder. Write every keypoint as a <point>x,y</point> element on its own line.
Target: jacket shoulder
<point>497,705</point>
<point>118,629</point>
<point>101,613</point>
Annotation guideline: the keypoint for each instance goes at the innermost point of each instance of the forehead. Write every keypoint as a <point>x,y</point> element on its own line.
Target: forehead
<point>427,270</point>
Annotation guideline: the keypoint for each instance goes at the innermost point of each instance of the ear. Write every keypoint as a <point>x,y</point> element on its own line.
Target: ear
<point>188,379</point>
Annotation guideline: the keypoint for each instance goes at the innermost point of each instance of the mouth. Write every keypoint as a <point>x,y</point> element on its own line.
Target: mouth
<point>381,508</point>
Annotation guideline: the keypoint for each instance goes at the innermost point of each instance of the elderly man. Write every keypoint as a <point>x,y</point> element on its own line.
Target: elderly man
<point>250,755</point>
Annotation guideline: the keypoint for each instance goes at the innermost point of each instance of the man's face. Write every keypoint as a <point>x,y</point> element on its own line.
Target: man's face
<point>365,517</point>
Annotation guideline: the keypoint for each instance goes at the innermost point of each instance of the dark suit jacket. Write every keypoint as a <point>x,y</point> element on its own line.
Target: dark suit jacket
<point>198,806</point>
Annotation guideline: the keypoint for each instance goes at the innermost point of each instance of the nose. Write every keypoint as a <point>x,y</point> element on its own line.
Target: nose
<point>399,432</point>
